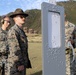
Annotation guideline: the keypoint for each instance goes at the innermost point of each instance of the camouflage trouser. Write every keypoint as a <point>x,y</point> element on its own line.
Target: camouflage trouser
<point>3,61</point>
<point>73,65</point>
<point>73,68</point>
<point>70,64</point>
<point>12,70</point>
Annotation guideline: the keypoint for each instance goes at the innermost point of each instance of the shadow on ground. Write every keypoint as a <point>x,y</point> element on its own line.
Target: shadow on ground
<point>37,73</point>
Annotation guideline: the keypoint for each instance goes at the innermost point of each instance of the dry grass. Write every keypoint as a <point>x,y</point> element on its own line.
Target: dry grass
<point>34,38</point>
<point>35,54</point>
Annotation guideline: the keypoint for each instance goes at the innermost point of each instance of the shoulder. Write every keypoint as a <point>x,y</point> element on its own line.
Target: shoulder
<point>11,31</point>
<point>0,30</point>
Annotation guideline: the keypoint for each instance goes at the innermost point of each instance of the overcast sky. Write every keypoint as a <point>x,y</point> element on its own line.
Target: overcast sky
<point>7,6</point>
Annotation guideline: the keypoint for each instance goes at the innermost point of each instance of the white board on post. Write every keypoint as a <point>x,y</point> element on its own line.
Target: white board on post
<point>54,30</point>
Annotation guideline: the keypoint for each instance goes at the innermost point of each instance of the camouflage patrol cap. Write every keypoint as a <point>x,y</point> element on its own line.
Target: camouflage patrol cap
<point>18,12</point>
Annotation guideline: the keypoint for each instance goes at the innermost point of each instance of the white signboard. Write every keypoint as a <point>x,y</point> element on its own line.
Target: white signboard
<point>54,39</point>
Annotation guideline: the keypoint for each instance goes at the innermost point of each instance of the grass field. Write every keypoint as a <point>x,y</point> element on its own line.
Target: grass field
<point>35,55</point>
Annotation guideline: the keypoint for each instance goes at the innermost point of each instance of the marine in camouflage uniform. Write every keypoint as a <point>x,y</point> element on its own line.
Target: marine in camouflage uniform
<point>69,27</point>
<point>4,45</point>
<point>18,46</point>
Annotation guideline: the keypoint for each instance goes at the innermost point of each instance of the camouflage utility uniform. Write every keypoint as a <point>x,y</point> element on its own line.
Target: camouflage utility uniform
<point>18,46</point>
<point>73,67</point>
<point>3,50</point>
<point>69,27</point>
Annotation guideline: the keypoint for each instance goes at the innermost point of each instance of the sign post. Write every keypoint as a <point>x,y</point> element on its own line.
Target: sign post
<point>53,39</point>
<point>52,2</point>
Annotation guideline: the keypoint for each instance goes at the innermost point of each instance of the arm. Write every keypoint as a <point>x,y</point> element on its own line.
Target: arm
<point>15,51</point>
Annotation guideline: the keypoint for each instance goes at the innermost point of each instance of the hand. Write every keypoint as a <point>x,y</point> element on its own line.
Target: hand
<point>21,68</point>
<point>72,41</point>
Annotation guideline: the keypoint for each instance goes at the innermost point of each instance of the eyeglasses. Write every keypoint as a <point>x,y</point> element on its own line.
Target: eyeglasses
<point>7,21</point>
<point>21,16</point>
